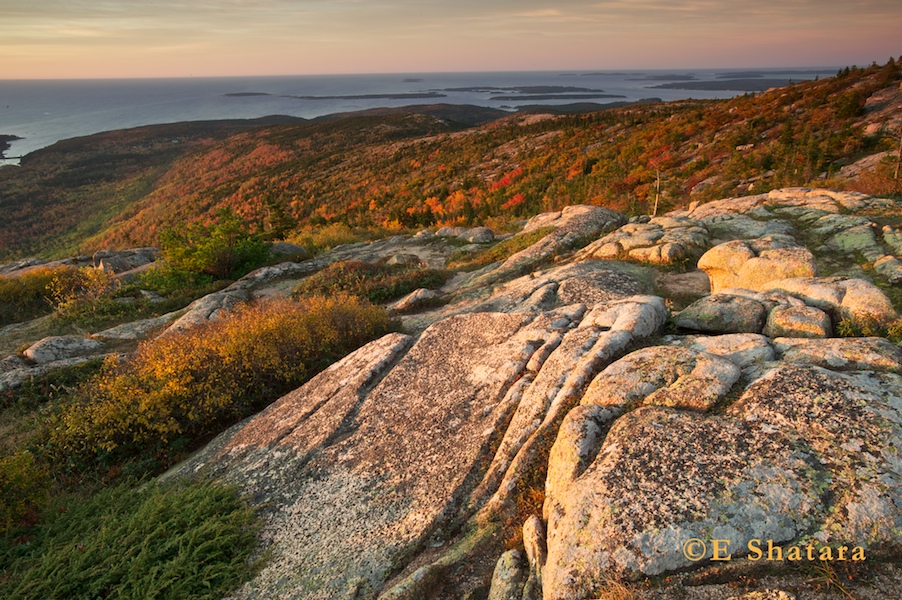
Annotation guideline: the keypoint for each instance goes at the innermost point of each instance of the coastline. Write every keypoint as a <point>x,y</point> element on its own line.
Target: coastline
<point>6,145</point>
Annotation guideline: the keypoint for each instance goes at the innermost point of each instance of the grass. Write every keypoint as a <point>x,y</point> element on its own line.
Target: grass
<point>374,282</point>
<point>470,261</point>
<point>127,542</point>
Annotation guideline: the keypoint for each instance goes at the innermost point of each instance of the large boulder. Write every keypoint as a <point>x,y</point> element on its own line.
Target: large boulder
<point>798,321</point>
<point>61,347</point>
<point>723,313</point>
<point>752,264</point>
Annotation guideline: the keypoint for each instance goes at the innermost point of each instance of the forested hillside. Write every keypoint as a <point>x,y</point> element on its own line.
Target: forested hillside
<point>397,170</point>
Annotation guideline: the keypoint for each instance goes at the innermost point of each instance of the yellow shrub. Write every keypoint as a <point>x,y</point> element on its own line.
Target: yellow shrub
<point>81,291</point>
<point>29,295</point>
<point>195,383</point>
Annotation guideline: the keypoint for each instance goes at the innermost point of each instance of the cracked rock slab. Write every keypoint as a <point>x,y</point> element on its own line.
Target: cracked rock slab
<point>804,451</point>
<point>369,461</point>
<point>663,376</point>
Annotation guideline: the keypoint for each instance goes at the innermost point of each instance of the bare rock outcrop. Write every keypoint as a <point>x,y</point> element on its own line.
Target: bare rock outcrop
<point>782,463</point>
<point>659,241</point>
<point>56,348</point>
<point>842,297</point>
<point>754,263</point>
<point>388,451</point>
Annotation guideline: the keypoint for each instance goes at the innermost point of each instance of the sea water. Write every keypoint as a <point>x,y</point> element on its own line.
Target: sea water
<point>45,111</point>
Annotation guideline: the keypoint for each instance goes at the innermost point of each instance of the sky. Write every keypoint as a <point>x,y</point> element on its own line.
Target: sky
<point>194,38</point>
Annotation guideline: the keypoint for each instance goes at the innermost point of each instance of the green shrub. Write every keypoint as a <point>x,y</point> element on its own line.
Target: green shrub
<point>170,281</point>
<point>225,249</point>
<point>177,389</point>
<point>190,541</point>
<point>377,283</point>
<point>23,488</point>
<point>469,261</point>
<point>29,295</point>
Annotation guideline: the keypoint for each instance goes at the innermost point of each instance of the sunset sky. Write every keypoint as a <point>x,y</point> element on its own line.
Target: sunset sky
<point>163,38</point>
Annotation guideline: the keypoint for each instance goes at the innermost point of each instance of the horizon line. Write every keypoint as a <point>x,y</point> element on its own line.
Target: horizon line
<point>809,68</point>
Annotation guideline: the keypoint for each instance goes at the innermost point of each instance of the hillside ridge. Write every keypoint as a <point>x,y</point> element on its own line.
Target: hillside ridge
<point>399,169</point>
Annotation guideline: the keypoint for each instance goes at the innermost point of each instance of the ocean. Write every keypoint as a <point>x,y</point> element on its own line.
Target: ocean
<point>42,112</point>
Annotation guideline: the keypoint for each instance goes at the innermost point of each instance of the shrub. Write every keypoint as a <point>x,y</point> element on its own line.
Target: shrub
<point>28,296</point>
<point>80,292</point>
<point>871,327</point>
<point>190,541</point>
<point>222,250</point>
<point>375,282</point>
<point>23,488</point>
<point>180,388</point>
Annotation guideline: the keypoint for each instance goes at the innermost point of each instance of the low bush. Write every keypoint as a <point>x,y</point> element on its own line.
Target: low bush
<point>83,292</point>
<point>29,295</point>
<point>223,250</point>
<point>374,282</point>
<point>870,327</point>
<point>188,541</point>
<point>178,389</point>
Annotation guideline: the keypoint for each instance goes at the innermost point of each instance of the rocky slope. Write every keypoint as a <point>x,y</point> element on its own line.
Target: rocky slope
<point>566,420</point>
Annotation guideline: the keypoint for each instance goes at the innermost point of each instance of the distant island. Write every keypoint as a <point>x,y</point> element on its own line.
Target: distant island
<point>523,89</point>
<point>742,85</point>
<point>555,96</point>
<point>747,74</point>
<point>396,96</point>
<point>673,77</point>
<point>402,96</point>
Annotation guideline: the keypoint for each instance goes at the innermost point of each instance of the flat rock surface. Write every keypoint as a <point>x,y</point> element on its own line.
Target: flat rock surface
<point>362,492</point>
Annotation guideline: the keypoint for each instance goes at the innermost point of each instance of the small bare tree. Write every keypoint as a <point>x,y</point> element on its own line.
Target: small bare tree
<point>898,159</point>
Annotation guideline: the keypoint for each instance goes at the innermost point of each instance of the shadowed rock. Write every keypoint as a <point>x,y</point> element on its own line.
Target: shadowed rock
<point>723,313</point>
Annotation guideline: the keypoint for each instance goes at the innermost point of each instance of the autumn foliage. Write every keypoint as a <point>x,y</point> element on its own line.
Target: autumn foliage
<point>179,388</point>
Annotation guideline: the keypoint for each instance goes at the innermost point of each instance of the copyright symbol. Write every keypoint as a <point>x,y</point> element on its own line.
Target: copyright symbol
<point>695,549</point>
